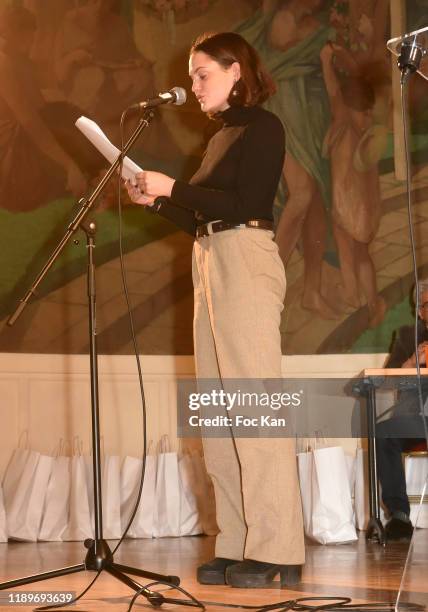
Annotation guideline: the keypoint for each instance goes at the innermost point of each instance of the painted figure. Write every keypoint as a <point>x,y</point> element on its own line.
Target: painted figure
<point>357,79</point>
<point>35,166</point>
<point>289,37</point>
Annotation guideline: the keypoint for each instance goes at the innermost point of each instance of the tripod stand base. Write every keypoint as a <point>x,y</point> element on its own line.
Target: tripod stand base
<point>72,569</point>
<point>98,558</point>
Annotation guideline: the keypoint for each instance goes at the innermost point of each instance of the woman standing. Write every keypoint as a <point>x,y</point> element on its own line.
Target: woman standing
<point>239,285</point>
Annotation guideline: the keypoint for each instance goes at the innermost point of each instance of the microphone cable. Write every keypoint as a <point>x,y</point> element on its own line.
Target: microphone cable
<point>132,329</point>
<point>300,604</point>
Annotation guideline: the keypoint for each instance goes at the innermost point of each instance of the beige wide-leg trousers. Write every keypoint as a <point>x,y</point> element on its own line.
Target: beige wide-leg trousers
<point>239,285</point>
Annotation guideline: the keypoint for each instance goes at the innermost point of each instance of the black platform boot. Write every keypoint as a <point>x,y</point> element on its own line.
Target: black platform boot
<point>213,572</point>
<point>256,574</point>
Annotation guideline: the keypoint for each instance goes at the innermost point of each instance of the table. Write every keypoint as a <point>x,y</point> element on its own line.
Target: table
<point>371,380</point>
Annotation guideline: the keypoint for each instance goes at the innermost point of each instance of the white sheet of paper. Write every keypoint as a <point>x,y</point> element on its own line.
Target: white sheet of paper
<point>94,133</point>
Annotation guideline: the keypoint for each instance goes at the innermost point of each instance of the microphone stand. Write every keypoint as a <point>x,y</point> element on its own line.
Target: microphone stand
<point>99,556</point>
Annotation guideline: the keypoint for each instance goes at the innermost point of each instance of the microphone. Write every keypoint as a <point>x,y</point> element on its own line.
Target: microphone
<point>411,53</point>
<point>176,95</point>
<point>410,49</point>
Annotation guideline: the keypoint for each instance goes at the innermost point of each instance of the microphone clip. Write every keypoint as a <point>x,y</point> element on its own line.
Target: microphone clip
<point>410,57</point>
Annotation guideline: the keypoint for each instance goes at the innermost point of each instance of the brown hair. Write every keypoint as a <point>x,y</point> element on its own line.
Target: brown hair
<point>255,85</point>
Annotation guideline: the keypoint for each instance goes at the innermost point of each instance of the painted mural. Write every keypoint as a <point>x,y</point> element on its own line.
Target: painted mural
<point>340,211</point>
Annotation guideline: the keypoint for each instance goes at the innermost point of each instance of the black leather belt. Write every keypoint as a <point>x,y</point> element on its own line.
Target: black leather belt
<point>220,226</point>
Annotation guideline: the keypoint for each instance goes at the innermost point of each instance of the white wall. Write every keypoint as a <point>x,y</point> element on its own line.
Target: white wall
<point>49,396</point>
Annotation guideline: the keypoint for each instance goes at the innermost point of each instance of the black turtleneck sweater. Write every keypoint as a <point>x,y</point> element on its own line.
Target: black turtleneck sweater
<point>238,176</point>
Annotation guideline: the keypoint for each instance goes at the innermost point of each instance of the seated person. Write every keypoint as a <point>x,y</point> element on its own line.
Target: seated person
<point>405,429</point>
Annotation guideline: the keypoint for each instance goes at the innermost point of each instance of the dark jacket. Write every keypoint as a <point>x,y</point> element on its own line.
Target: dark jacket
<point>403,348</point>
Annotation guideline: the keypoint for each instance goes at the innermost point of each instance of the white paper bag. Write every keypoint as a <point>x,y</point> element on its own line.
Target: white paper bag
<point>55,515</point>
<point>329,504</point>
<point>332,514</point>
<point>416,470</point>
<point>89,469</point>
<point>305,468</point>
<point>24,513</point>
<point>142,525</point>
<point>112,529</point>
<point>79,525</point>
<point>13,474</point>
<point>3,526</point>
<point>189,514</point>
<point>351,467</point>
<point>419,514</point>
<point>204,492</point>
<point>361,491</point>
<point>167,499</point>
<point>361,498</point>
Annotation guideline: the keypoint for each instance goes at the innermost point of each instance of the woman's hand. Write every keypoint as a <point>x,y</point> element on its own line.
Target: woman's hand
<point>136,195</point>
<point>154,184</point>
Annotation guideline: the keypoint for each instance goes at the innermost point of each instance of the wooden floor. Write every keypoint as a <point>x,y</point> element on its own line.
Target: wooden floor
<point>366,572</point>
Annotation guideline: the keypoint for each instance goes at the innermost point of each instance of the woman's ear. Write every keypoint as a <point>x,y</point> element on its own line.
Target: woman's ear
<point>236,69</point>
